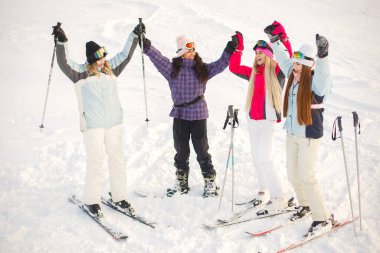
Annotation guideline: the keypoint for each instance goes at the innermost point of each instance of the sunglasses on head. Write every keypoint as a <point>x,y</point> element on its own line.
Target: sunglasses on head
<point>187,46</point>
<point>300,55</point>
<point>102,52</point>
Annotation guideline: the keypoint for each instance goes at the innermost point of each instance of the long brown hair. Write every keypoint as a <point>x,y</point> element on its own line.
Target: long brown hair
<point>304,97</point>
<point>272,85</point>
<point>200,68</point>
<point>93,69</point>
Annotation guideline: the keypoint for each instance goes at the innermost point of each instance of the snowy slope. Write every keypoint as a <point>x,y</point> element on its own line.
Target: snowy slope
<point>39,170</point>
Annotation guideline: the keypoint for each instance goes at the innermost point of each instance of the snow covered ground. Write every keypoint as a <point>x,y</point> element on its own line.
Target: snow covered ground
<point>39,170</point>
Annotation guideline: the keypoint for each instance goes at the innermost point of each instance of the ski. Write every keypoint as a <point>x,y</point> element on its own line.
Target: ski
<point>312,237</point>
<point>116,235</point>
<point>141,219</point>
<point>287,223</point>
<point>240,213</point>
<point>226,224</point>
<point>255,206</point>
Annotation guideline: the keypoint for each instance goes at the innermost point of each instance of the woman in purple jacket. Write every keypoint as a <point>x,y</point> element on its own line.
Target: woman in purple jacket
<point>187,76</point>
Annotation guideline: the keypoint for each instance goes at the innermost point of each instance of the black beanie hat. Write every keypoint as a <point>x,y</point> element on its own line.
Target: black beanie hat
<point>91,48</point>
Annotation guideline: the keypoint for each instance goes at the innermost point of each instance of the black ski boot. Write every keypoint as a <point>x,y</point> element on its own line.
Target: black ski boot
<point>319,227</point>
<point>94,210</point>
<point>210,188</point>
<point>181,185</point>
<point>302,212</point>
<point>124,206</point>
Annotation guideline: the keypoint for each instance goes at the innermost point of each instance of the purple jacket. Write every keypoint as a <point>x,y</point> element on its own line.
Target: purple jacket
<point>186,87</point>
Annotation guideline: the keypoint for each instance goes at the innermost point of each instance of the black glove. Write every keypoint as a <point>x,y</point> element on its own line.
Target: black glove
<point>59,33</point>
<point>322,45</point>
<point>139,30</point>
<point>146,43</point>
<point>232,44</point>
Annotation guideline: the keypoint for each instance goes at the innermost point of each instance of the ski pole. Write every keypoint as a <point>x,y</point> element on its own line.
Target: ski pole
<point>233,126</point>
<point>51,71</point>
<point>143,68</point>
<point>339,120</point>
<point>229,116</point>
<point>356,124</point>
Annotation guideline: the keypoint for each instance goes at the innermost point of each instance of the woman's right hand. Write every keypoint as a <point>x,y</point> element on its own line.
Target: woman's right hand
<point>59,33</point>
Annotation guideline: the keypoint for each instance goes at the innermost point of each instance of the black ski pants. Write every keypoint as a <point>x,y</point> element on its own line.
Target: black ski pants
<point>183,130</point>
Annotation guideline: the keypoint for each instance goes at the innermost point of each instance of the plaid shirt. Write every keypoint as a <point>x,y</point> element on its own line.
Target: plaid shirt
<point>186,87</point>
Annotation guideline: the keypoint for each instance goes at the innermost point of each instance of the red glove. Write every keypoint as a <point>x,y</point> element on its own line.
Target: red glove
<point>240,46</point>
<point>280,30</point>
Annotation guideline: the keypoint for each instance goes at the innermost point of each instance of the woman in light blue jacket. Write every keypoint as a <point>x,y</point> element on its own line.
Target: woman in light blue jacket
<point>305,93</point>
<point>101,116</point>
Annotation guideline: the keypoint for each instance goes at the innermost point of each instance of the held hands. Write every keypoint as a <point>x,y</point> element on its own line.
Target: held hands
<point>240,45</point>
<point>322,45</point>
<point>276,31</point>
<point>232,44</point>
<point>59,33</point>
<point>139,30</point>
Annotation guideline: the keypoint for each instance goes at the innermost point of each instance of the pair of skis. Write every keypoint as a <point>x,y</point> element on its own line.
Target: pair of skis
<point>303,240</point>
<point>108,228</point>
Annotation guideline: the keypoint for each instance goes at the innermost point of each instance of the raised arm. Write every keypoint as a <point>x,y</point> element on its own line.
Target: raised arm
<point>161,62</point>
<point>221,64</point>
<point>72,70</point>
<point>235,60</point>
<point>119,61</point>
<point>322,83</point>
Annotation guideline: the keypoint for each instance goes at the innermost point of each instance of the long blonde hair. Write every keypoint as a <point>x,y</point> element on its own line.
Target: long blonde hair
<point>93,69</point>
<point>272,85</point>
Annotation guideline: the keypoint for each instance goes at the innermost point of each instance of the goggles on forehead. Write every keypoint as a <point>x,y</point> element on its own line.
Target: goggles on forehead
<point>188,46</point>
<point>102,52</point>
<point>261,44</point>
<point>300,55</point>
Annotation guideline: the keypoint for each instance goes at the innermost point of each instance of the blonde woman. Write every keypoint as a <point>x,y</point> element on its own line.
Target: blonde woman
<point>263,105</point>
<point>101,117</point>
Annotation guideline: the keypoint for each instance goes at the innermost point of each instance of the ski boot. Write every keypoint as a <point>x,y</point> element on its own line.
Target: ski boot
<point>181,185</point>
<point>319,227</point>
<point>94,210</point>
<point>210,188</point>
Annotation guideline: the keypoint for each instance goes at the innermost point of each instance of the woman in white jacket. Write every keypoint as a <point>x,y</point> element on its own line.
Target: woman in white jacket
<point>101,116</point>
<point>305,93</point>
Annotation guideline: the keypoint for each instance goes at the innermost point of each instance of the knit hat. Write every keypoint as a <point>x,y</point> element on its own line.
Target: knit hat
<point>263,46</point>
<point>182,40</point>
<point>91,48</point>
<point>308,51</point>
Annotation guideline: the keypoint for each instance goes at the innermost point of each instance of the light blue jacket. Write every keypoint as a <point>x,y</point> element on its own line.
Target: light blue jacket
<point>98,100</point>
<point>320,87</point>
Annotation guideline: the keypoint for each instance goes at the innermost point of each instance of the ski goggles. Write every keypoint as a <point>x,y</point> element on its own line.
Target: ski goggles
<point>188,46</point>
<point>102,52</point>
<point>300,55</point>
<point>262,44</point>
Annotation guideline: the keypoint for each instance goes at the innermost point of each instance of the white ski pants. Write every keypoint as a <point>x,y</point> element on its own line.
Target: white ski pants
<point>301,157</point>
<point>98,143</point>
<point>261,139</point>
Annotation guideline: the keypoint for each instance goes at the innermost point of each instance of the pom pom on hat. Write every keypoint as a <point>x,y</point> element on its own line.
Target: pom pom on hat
<point>182,40</point>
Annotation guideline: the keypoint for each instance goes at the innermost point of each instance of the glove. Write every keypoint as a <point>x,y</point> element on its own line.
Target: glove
<point>139,30</point>
<point>322,45</point>
<point>59,33</point>
<point>276,31</point>
<point>232,44</point>
<point>146,43</point>
<point>240,45</point>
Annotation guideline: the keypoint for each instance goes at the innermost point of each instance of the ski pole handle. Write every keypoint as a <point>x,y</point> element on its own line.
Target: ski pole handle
<point>235,121</point>
<point>339,118</point>
<point>356,118</point>
<point>230,111</point>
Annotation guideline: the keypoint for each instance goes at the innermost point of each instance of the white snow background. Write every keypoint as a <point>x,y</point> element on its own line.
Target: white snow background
<point>40,170</point>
